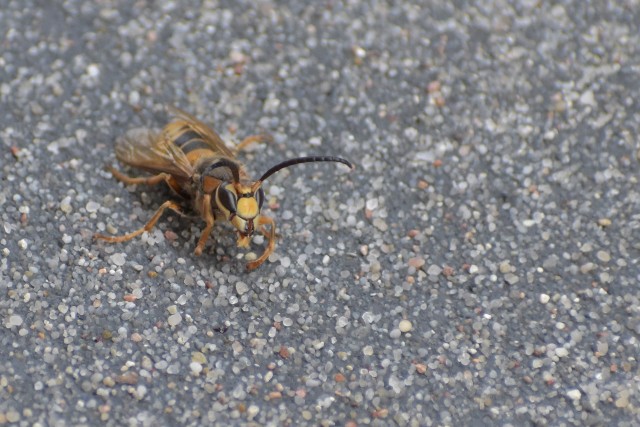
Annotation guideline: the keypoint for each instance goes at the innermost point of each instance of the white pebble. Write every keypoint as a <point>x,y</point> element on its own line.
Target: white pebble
<point>174,319</point>
<point>380,224</point>
<point>65,205</point>
<point>92,207</point>
<point>141,391</point>
<point>252,411</point>
<point>22,244</point>
<point>242,288</point>
<point>411,133</point>
<point>195,367</point>
<point>118,259</point>
<point>603,256</point>
<point>544,298</point>
<point>15,320</point>
<point>372,204</point>
<point>434,270</point>
<point>574,394</point>
<point>93,70</point>
<point>405,326</point>
<point>134,97</point>
<point>342,322</point>
<point>315,141</point>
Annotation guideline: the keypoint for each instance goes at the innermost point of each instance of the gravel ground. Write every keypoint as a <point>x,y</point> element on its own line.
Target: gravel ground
<point>479,267</point>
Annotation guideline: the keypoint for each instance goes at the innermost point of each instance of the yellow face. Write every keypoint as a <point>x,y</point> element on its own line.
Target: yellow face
<point>240,206</point>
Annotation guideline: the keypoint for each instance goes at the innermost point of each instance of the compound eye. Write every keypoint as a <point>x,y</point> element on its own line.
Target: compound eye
<point>227,198</point>
<point>259,195</point>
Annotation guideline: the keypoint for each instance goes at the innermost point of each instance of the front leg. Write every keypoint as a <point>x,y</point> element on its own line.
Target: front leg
<point>271,244</point>
<point>207,214</point>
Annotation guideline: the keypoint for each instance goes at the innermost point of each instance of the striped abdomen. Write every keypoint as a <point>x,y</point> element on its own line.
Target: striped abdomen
<point>189,141</point>
<point>198,151</point>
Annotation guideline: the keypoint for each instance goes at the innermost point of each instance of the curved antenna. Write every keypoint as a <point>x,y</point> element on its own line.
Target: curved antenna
<point>233,166</point>
<point>296,161</point>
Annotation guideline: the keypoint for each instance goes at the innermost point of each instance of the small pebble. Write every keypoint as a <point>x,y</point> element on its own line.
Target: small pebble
<point>140,392</point>
<point>15,320</point>
<point>623,399</point>
<point>315,141</point>
<point>13,416</point>
<point>195,367</point>
<point>92,207</point>
<point>603,256</point>
<point>199,357</point>
<point>93,70</point>
<point>118,259</point>
<point>252,411</point>
<point>574,394</point>
<point>604,222</point>
<point>242,288</point>
<point>416,262</point>
<point>505,267</point>
<point>65,205</point>
<point>405,326</point>
<point>380,224</point>
<point>511,278</point>
<point>434,270</point>
<point>174,319</point>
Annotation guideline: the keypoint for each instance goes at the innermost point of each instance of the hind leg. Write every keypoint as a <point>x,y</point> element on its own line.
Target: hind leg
<point>151,180</point>
<point>252,140</point>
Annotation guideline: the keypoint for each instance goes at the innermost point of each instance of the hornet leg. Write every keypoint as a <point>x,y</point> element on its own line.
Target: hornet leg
<point>209,219</point>
<point>152,180</point>
<point>271,244</point>
<point>148,226</point>
<point>252,140</point>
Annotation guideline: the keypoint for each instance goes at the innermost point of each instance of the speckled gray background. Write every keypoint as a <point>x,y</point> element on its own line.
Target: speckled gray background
<point>479,267</point>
